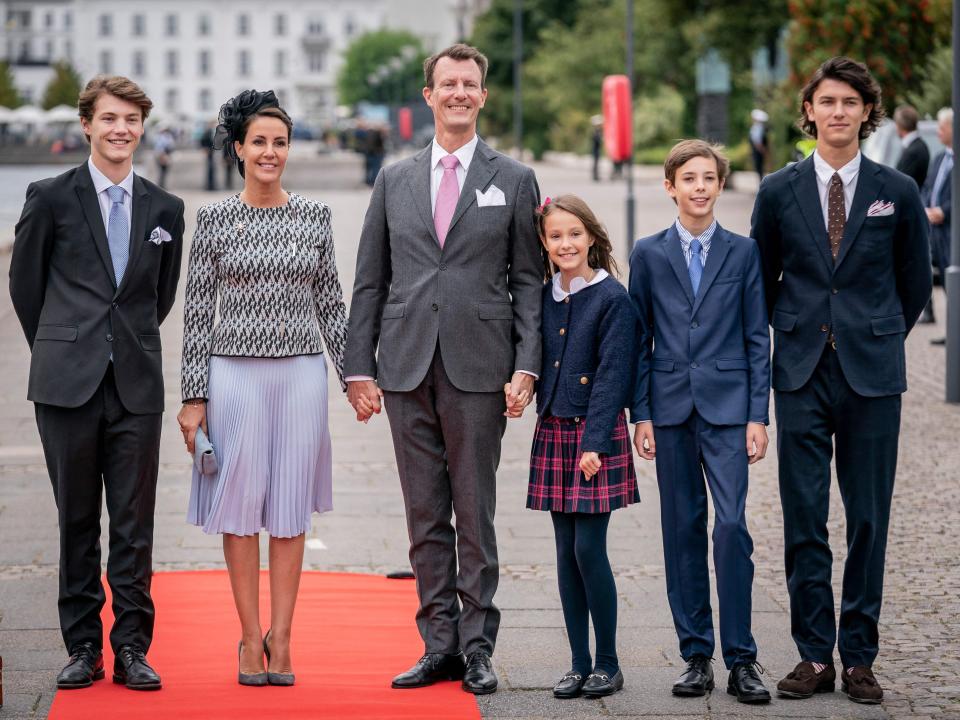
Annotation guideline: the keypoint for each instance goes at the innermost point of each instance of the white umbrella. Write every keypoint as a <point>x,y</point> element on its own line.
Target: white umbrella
<point>62,114</point>
<point>6,115</point>
<point>28,115</point>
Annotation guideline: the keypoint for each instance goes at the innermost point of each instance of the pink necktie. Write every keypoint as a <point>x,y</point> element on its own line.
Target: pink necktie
<point>447,197</point>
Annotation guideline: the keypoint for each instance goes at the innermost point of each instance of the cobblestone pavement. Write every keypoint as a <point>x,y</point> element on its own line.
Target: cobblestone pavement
<point>919,663</point>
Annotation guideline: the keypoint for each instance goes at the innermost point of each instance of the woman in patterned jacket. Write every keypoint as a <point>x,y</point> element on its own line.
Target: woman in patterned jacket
<point>256,380</point>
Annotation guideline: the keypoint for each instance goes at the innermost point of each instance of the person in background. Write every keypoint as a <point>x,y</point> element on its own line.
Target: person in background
<point>937,198</point>
<point>163,146</point>
<point>759,141</point>
<point>206,142</point>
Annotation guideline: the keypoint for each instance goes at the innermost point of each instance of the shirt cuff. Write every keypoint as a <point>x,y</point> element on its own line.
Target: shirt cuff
<point>357,378</point>
<point>531,374</point>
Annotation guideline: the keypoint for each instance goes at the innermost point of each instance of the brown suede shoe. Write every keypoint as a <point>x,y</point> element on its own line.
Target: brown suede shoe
<point>804,681</point>
<point>861,686</point>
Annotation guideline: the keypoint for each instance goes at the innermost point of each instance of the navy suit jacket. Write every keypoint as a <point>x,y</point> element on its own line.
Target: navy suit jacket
<point>870,297</point>
<point>939,233</point>
<point>710,352</point>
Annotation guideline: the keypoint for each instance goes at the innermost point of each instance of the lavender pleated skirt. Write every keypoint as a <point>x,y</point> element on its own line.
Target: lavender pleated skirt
<point>267,420</point>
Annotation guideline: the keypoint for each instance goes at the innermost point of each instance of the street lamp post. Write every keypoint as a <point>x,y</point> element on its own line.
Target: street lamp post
<point>952,280</point>
<point>629,163</point>
<point>517,65</point>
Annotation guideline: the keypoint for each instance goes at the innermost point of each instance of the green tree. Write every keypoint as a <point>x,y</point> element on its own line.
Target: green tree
<point>9,97</point>
<point>372,51</point>
<point>64,87</point>
<point>936,82</point>
<point>893,38</point>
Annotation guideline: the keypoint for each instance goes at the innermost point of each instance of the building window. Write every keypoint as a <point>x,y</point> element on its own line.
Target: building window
<point>315,27</point>
<point>349,27</point>
<point>68,20</point>
<point>139,63</point>
<point>68,50</point>
<point>203,25</point>
<point>243,63</point>
<point>316,61</point>
<point>48,20</point>
<point>106,25</point>
<point>243,24</point>
<point>49,50</point>
<point>280,63</point>
<point>139,25</point>
<point>280,24</point>
<point>106,62</point>
<point>173,63</point>
<point>282,98</point>
<point>203,63</point>
<point>205,102</point>
<point>172,26</point>
<point>173,98</point>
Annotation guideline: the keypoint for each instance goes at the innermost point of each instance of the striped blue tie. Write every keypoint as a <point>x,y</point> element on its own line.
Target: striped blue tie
<point>696,265</point>
<point>118,233</point>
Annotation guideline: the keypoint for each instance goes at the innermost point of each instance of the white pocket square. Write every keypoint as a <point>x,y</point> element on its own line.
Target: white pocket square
<point>881,208</point>
<point>159,235</point>
<point>493,196</point>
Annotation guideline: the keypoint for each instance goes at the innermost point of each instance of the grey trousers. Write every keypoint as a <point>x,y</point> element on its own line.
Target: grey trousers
<point>447,444</point>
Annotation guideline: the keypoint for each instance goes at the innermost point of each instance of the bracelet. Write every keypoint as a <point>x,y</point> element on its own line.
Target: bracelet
<point>196,401</point>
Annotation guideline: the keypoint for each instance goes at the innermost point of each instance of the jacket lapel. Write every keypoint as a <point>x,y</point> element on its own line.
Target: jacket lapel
<point>140,210</point>
<point>869,186</point>
<point>87,195</point>
<point>719,248</point>
<point>671,246</point>
<point>419,180</point>
<point>804,184</point>
<point>482,169</point>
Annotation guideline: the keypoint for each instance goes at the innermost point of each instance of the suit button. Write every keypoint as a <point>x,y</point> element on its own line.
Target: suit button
<point>566,299</point>
<point>584,380</point>
<point>576,419</point>
<point>556,363</point>
<point>434,307</point>
<point>694,364</point>
<point>694,324</point>
<point>563,331</point>
<point>824,328</point>
<point>109,337</point>
<point>834,291</point>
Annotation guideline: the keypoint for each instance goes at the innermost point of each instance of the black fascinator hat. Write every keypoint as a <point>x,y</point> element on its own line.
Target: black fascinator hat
<point>235,115</point>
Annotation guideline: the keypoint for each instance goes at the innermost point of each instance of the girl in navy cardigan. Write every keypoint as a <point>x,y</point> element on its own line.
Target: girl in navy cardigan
<point>581,466</point>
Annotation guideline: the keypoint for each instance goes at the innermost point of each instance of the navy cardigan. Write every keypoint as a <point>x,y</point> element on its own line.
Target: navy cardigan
<point>589,359</point>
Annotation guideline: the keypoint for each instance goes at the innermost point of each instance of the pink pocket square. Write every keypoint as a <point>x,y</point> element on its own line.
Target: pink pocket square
<point>881,208</point>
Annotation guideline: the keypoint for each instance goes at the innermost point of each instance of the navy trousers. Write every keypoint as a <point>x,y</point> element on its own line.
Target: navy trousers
<point>823,414</point>
<point>685,453</point>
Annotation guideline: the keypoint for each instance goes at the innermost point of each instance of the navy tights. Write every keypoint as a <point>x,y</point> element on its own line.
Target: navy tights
<point>587,588</point>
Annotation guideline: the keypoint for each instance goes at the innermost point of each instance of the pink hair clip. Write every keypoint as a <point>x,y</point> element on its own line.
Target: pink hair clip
<point>543,205</point>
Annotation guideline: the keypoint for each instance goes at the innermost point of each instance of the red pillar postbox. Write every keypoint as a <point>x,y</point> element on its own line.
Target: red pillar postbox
<point>617,117</point>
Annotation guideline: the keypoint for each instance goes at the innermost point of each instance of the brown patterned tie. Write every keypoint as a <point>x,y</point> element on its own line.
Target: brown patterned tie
<point>836,214</point>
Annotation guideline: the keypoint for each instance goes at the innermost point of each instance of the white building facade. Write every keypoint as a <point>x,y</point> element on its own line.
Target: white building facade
<point>192,55</point>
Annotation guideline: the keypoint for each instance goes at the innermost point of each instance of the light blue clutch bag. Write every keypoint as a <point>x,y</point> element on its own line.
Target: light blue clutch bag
<point>204,458</point>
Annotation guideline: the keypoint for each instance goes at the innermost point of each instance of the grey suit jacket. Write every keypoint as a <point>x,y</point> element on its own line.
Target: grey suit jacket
<point>478,296</point>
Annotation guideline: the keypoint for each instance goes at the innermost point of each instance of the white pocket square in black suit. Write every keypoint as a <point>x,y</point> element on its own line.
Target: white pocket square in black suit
<point>159,235</point>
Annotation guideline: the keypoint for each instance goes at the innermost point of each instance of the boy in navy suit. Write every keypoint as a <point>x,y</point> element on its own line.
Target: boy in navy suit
<point>846,266</point>
<point>700,404</point>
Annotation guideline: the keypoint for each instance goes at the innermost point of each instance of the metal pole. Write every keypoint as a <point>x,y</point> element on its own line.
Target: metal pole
<point>517,65</point>
<point>952,280</point>
<point>629,164</point>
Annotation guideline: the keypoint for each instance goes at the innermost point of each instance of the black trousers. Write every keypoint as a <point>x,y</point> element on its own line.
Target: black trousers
<point>447,444</point>
<point>822,416</point>
<point>101,445</point>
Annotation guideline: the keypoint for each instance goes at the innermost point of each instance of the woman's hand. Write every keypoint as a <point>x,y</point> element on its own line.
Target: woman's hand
<point>191,416</point>
<point>590,464</point>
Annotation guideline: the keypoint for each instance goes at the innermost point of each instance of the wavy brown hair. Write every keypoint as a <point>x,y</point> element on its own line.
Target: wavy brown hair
<point>116,85</point>
<point>600,255</point>
<point>854,74</point>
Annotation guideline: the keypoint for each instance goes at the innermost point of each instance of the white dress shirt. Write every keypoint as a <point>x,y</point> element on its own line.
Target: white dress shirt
<point>848,176</point>
<point>464,154</point>
<point>101,184</point>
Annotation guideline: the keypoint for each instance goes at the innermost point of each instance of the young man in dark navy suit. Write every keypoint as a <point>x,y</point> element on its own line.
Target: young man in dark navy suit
<point>701,405</point>
<point>846,265</point>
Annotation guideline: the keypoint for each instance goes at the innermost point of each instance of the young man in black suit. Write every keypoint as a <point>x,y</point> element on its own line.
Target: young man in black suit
<point>915,159</point>
<point>93,274</point>
<point>846,262</point>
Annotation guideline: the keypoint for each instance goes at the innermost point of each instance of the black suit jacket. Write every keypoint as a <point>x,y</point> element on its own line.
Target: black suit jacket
<point>915,161</point>
<point>870,298</point>
<point>73,315</point>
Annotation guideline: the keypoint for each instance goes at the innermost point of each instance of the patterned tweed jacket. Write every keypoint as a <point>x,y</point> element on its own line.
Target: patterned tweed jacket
<point>273,273</point>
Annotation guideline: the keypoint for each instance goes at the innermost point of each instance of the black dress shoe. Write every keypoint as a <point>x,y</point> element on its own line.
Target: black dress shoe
<point>479,677</point>
<point>569,686</point>
<point>697,679</point>
<point>85,666</point>
<point>131,668</point>
<point>599,684</point>
<point>429,669</point>
<point>744,682</point>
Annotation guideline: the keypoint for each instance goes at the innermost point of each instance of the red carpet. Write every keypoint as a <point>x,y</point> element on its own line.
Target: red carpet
<point>351,635</point>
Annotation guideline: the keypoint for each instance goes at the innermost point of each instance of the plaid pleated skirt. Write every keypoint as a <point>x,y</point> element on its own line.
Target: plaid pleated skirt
<point>558,484</point>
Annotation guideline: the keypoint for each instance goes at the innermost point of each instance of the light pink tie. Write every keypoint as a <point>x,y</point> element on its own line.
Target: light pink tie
<point>447,197</point>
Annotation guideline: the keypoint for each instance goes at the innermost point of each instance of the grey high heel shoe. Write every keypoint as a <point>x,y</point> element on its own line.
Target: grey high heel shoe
<point>284,679</point>
<point>243,678</point>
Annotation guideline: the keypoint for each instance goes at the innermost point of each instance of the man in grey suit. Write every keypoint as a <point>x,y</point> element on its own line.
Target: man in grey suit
<point>448,284</point>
